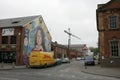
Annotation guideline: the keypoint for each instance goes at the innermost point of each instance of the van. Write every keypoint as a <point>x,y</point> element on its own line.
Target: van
<point>41,59</point>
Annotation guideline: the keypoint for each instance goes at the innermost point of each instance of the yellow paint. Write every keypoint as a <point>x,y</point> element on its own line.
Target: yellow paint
<point>38,58</point>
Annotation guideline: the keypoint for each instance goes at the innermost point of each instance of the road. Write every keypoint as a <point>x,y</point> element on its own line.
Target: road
<point>61,72</point>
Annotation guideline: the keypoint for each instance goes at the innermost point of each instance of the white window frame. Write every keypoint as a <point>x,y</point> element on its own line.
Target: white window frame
<point>117,53</point>
<point>113,22</point>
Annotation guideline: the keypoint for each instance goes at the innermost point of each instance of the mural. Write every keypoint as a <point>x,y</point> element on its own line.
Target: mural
<point>36,37</point>
<point>39,40</point>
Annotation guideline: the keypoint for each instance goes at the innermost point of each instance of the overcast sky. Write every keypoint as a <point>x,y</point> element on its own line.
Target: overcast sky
<point>59,15</point>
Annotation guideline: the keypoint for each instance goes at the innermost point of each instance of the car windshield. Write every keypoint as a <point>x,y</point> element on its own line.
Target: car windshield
<point>89,58</point>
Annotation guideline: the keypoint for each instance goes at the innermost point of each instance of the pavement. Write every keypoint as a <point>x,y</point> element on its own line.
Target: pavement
<point>95,70</point>
<point>10,66</point>
<point>102,71</point>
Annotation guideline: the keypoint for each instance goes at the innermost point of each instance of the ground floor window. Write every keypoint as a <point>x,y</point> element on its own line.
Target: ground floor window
<point>7,56</point>
<point>114,45</point>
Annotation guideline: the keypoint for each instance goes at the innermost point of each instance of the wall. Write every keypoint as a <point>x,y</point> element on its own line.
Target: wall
<point>106,34</point>
<point>12,47</point>
<point>36,37</point>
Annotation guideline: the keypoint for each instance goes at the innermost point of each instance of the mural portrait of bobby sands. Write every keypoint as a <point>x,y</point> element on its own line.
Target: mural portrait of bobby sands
<point>39,40</point>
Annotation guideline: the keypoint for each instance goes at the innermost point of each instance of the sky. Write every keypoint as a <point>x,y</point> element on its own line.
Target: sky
<point>59,15</point>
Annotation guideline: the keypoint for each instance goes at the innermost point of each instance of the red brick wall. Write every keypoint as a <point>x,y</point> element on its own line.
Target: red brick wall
<point>105,34</point>
<point>18,32</point>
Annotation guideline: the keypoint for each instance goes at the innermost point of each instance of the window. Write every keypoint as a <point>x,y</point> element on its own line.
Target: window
<point>4,39</point>
<point>113,22</point>
<point>13,40</point>
<point>15,22</point>
<point>114,48</point>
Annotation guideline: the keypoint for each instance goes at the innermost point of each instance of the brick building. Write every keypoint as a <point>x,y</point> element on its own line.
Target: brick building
<point>18,37</point>
<point>61,51</point>
<point>108,26</point>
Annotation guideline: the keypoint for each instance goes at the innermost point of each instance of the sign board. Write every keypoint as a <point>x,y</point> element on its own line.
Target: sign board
<point>7,31</point>
<point>85,48</point>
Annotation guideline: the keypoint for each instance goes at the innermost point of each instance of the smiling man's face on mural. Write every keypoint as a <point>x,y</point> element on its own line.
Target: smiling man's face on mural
<point>39,37</point>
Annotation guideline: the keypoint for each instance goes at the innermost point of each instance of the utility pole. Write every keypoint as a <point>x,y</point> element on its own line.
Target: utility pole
<point>69,40</point>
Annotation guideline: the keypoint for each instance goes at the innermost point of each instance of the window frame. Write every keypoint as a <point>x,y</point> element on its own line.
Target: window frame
<point>4,40</point>
<point>118,45</point>
<point>113,24</point>
<point>14,40</point>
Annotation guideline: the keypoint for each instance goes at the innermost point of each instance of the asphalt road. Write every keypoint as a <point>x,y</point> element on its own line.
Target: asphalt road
<point>61,72</point>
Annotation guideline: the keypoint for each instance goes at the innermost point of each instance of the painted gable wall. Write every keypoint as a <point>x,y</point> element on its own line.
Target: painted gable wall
<point>36,37</point>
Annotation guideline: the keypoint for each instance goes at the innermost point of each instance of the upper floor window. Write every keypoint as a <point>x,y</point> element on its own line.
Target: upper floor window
<point>114,45</point>
<point>13,40</point>
<point>113,22</point>
<point>4,39</point>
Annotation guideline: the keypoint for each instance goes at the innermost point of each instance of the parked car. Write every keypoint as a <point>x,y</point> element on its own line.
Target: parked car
<point>65,60</point>
<point>89,60</point>
<point>58,61</point>
<point>82,58</point>
<point>78,58</point>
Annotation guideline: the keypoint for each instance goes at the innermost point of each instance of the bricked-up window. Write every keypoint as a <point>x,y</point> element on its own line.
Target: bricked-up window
<point>114,48</point>
<point>4,39</point>
<point>113,22</point>
<point>13,40</point>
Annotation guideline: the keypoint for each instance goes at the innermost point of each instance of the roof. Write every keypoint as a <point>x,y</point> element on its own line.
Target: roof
<point>101,6</point>
<point>109,5</point>
<point>77,45</point>
<point>15,22</point>
<point>58,45</point>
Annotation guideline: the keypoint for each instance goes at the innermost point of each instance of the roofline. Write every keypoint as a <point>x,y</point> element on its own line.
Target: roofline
<point>11,27</point>
<point>104,5</point>
<point>20,17</point>
<point>22,25</point>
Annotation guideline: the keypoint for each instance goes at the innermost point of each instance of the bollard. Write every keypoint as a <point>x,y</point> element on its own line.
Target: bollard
<point>13,65</point>
<point>2,65</point>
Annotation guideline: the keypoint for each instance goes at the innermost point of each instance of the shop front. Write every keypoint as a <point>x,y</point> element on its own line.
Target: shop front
<point>7,56</point>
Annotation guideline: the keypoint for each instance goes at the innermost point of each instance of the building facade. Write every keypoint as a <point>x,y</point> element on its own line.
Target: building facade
<point>19,36</point>
<point>61,51</point>
<point>108,26</point>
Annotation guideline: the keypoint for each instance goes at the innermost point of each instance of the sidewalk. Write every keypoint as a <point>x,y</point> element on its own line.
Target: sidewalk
<point>10,66</point>
<point>97,70</point>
